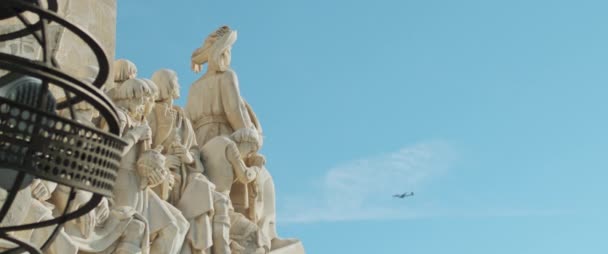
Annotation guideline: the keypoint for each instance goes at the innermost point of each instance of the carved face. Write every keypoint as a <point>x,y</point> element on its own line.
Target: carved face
<point>176,88</point>
<point>149,105</point>
<point>228,56</point>
<point>137,107</point>
<point>246,149</point>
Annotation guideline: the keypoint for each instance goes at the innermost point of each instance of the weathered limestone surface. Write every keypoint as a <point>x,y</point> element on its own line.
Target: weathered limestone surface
<point>98,18</point>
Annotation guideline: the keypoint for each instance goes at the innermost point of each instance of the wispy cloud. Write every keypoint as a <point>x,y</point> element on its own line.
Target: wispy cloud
<point>357,190</point>
<point>362,190</point>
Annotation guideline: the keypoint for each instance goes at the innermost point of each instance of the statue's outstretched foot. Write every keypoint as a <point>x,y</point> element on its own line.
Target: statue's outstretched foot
<point>278,243</point>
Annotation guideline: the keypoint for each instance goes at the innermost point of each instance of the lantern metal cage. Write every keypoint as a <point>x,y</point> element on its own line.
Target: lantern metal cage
<point>36,142</point>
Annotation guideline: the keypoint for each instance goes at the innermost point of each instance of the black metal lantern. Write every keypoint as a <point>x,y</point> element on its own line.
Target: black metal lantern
<point>35,142</point>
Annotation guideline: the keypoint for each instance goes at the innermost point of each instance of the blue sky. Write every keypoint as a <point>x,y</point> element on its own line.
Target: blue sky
<point>492,112</point>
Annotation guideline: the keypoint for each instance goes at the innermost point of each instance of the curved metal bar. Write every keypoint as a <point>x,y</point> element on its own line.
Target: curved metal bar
<point>93,202</point>
<point>103,63</point>
<point>44,72</point>
<point>28,26</point>
<point>52,4</point>
<point>22,245</point>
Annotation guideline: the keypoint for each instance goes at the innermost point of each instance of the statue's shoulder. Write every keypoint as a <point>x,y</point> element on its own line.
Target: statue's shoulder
<point>229,74</point>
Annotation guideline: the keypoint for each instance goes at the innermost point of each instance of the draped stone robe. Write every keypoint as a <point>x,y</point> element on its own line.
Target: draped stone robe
<point>215,106</point>
<point>192,193</point>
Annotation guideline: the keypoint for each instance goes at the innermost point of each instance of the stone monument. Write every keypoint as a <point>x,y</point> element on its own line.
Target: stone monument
<point>190,180</point>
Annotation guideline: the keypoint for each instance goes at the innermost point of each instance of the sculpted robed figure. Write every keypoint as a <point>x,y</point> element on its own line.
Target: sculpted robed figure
<point>214,105</point>
<point>219,116</point>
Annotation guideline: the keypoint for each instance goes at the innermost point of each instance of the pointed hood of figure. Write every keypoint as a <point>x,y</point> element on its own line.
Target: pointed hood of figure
<point>215,50</point>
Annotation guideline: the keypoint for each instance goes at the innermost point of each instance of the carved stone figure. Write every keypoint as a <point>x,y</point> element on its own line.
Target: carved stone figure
<point>166,224</point>
<point>223,157</point>
<point>26,209</point>
<point>214,105</point>
<point>151,95</point>
<point>123,71</point>
<point>216,108</point>
<point>261,207</point>
<point>163,189</point>
<point>103,230</point>
<point>163,201</point>
<point>192,193</point>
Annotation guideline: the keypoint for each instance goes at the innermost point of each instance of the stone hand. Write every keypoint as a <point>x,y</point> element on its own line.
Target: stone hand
<point>147,132</point>
<point>142,132</point>
<point>251,173</point>
<point>182,153</point>
<point>256,160</point>
<point>156,176</point>
<point>172,161</point>
<point>195,67</point>
<point>172,179</point>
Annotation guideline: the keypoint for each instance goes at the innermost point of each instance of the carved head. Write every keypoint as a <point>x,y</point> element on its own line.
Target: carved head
<point>153,92</point>
<point>132,95</point>
<point>215,50</point>
<point>124,70</point>
<point>168,87</point>
<point>247,140</point>
<point>151,96</point>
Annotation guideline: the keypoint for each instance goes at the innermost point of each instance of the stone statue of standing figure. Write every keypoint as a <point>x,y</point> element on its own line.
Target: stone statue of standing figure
<point>192,193</point>
<point>214,104</point>
<point>167,226</point>
<point>217,111</point>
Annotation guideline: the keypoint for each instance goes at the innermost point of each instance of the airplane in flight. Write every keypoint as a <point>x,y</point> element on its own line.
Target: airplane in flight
<point>404,195</point>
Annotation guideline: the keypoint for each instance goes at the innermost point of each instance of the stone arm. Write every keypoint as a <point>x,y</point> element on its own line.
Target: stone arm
<point>152,122</point>
<point>254,118</point>
<point>232,102</point>
<point>197,164</point>
<point>133,136</point>
<point>242,172</point>
<point>131,139</point>
<point>122,122</point>
<point>189,139</point>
